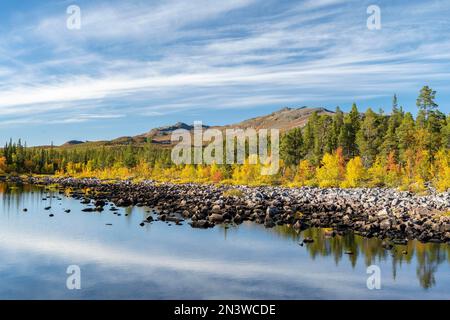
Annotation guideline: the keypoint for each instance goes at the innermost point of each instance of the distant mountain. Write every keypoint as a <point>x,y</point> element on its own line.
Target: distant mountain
<point>283,119</point>
<point>162,135</point>
<point>72,143</point>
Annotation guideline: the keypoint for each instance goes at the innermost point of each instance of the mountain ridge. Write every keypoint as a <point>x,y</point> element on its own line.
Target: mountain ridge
<point>283,119</point>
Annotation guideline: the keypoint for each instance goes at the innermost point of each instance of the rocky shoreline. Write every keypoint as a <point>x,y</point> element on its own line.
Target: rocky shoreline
<point>375,212</point>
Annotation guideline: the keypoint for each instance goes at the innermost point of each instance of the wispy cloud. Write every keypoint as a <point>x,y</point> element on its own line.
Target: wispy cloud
<point>155,58</point>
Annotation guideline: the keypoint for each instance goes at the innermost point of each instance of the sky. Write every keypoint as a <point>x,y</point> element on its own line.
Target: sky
<point>136,65</point>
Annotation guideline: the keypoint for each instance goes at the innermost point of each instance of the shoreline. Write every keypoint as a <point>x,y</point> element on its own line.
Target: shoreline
<point>371,212</point>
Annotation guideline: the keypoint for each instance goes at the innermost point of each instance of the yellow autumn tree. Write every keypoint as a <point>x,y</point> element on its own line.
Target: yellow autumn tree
<point>142,170</point>
<point>355,173</point>
<point>329,173</point>
<point>288,175</point>
<point>377,172</point>
<point>188,173</point>
<point>422,165</point>
<point>215,173</point>
<point>3,166</point>
<point>393,171</point>
<point>247,173</point>
<point>203,173</point>
<point>415,170</point>
<point>236,175</point>
<point>305,174</point>
<point>442,171</point>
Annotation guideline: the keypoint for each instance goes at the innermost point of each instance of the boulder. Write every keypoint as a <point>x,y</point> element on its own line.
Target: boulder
<point>216,218</point>
<point>272,211</point>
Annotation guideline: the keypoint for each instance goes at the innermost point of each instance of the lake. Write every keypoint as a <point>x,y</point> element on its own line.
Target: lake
<point>119,259</point>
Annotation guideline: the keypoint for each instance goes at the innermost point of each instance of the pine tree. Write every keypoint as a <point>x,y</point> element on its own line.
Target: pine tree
<point>338,123</point>
<point>292,147</point>
<point>369,137</point>
<point>406,134</point>
<point>390,140</point>
<point>394,104</point>
<point>347,136</point>
<point>425,101</point>
<point>322,136</point>
<point>435,123</point>
<point>308,135</point>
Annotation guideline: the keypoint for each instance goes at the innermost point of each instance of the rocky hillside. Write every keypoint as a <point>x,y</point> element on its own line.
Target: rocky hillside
<point>283,119</point>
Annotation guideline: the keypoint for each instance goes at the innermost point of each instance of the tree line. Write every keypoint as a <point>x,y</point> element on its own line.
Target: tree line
<point>339,150</point>
<point>372,148</point>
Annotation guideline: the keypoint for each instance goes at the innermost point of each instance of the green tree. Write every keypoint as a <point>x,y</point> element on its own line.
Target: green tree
<point>369,137</point>
<point>395,104</point>
<point>390,139</point>
<point>406,134</point>
<point>292,147</point>
<point>425,101</point>
<point>435,123</point>
<point>338,123</point>
<point>322,136</point>
<point>347,136</point>
<point>308,135</point>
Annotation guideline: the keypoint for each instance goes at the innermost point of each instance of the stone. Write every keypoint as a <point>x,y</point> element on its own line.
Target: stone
<point>297,225</point>
<point>216,209</point>
<point>201,224</point>
<point>272,211</point>
<point>215,217</point>
<point>308,240</point>
<point>385,224</point>
<point>268,223</point>
<point>99,203</point>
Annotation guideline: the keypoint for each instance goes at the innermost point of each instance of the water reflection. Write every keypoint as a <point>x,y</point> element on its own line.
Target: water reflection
<point>161,261</point>
<point>428,255</point>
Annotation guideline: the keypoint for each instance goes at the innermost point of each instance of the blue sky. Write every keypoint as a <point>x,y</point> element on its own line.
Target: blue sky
<point>135,65</point>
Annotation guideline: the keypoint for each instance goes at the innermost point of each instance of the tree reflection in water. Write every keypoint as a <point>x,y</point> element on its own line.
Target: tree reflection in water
<point>427,255</point>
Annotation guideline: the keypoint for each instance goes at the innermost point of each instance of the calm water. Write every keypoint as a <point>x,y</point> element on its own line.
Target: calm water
<point>158,261</point>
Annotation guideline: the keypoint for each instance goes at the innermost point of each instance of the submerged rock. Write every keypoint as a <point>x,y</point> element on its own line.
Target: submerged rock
<point>374,212</point>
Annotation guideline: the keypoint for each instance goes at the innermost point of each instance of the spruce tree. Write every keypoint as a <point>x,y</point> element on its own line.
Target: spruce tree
<point>292,148</point>
<point>406,134</point>
<point>369,137</point>
<point>338,123</point>
<point>347,136</point>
